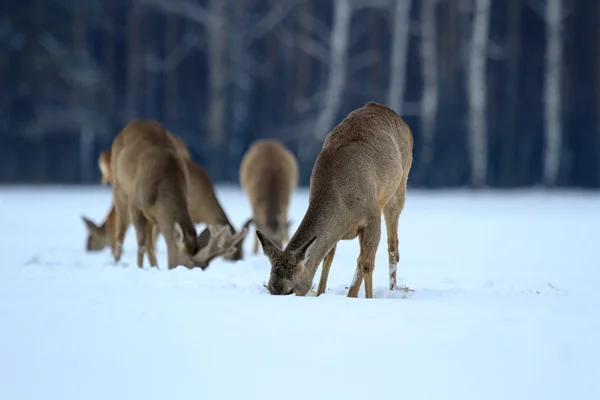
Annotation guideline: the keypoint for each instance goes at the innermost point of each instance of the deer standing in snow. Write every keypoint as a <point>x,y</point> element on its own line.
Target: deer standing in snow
<point>361,171</point>
<point>269,175</point>
<point>203,205</point>
<point>150,186</point>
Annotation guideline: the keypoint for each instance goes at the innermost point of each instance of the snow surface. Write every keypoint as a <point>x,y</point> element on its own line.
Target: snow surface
<point>505,306</point>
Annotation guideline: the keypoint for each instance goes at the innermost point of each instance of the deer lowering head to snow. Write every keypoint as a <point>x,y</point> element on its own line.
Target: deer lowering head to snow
<point>101,236</point>
<point>150,185</point>
<point>269,175</point>
<point>361,171</point>
<point>202,201</point>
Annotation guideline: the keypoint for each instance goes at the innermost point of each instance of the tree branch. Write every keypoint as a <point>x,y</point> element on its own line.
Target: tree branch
<point>358,4</point>
<point>308,45</point>
<point>186,9</point>
<point>314,25</point>
<point>270,19</point>
<point>172,61</point>
<point>362,60</point>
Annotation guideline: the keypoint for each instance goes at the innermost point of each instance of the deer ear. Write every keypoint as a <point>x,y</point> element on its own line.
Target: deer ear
<point>303,251</point>
<point>247,224</point>
<point>91,227</point>
<point>269,247</point>
<point>178,236</point>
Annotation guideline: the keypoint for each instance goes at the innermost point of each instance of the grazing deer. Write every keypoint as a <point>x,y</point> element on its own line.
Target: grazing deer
<point>201,197</point>
<point>361,171</point>
<point>269,175</point>
<point>101,236</point>
<point>150,186</point>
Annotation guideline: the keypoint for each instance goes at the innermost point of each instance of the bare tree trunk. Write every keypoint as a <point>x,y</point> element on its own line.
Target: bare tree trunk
<point>81,96</point>
<point>512,82</point>
<point>303,61</point>
<point>478,93</point>
<point>399,56</point>
<point>171,91</point>
<point>552,83</point>
<point>218,77</point>
<point>339,43</point>
<point>133,60</point>
<point>108,53</point>
<point>598,90</point>
<point>429,62</point>
<point>452,55</point>
<point>149,88</point>
<point>243,82</point>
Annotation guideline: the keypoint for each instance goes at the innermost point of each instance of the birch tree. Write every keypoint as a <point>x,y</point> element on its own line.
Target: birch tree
<point>133,61</point>
<point>399,56</point>
<point>218,79</point>
<point>244,68</point>
<point>338,47</point>
<point>429,62</point>
<point>552,96</point>
<point>477,93</point>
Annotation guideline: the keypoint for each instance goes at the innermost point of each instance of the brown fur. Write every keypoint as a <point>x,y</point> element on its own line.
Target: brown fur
<point>101,236</point>
<point>202,201</point>
<point>362,171</point>
<point>150,184</point>
<point>269,175</point>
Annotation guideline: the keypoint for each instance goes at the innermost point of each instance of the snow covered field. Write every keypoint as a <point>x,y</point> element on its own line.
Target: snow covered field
<point>505,306</point>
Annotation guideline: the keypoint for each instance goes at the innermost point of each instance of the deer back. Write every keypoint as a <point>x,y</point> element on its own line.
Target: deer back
<point>269,175</point>
<point>147,168</point>
<point>363,163</point>
<point>364,158</point>
<point>104,160</point>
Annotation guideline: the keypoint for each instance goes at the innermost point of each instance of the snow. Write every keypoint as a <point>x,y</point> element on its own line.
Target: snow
<point>505,306</point>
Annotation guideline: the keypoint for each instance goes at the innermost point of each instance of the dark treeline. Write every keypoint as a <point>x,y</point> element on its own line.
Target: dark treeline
<point>500,93</point>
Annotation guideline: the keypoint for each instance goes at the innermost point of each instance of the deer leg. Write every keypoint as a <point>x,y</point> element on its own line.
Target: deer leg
<point>140,224</point>
<point>151,234</point>
<point>255,250</point>
<point>356,281</point>
<point>325,271</point>
<point>368,238</point>
<point>121,225</point>
<point>391,213</point>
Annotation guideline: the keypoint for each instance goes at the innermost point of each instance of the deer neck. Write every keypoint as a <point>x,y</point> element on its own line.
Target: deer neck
<point>328,226</point>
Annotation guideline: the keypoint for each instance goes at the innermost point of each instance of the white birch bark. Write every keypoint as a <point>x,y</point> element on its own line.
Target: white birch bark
<point>339,43</point>
<point>218,77</point>
<point>552,99</point>
<point>477,93</point>
<point>429,62</point>
<point>399,56</point>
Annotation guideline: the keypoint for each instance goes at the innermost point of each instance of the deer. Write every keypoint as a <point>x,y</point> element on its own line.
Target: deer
<point>202,202</point>
<point>149,181</point>
<point>361,172</point>
<point>269,175</point>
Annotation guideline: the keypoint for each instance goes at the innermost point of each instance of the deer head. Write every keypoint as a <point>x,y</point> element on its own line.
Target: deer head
<point>287,266</point>
<point>213,242</point>
<point>96,239</point>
